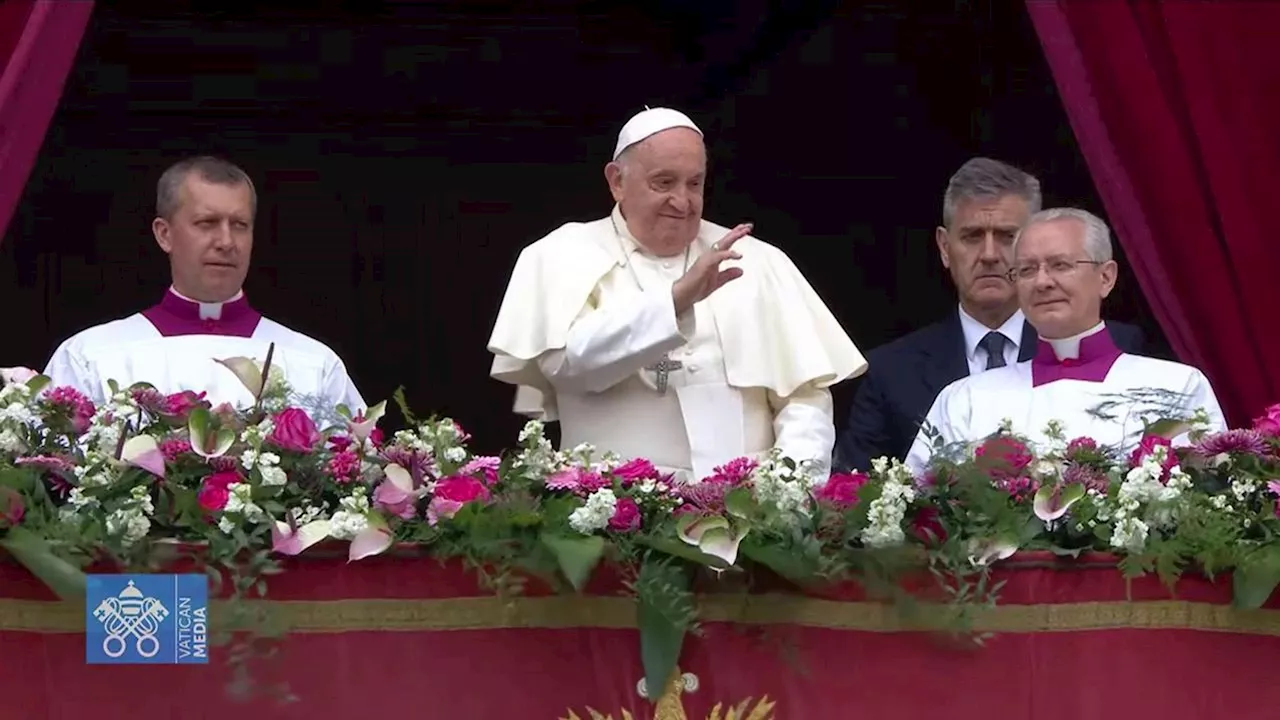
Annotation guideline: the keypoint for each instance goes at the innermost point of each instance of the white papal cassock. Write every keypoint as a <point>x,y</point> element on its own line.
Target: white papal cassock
<point>174,345</point>
<point>588,312</point>
<point>1085,382</point>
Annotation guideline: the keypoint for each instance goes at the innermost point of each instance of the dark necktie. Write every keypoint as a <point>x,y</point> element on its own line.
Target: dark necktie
<point>993,343</point>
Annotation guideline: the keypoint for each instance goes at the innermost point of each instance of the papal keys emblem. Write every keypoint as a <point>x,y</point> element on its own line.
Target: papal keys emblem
<point>131,615</point>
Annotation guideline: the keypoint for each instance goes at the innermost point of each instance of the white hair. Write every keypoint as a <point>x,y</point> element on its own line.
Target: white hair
<point>1097,236</point>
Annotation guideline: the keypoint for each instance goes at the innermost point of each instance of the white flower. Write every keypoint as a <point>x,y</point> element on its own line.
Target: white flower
<point>11,443</point>
<point>240,502</point>
<point>272,476</point>
<point>885,514</point>
<point>352,516</point>
<point>455,454</point>
<point>595,513</point>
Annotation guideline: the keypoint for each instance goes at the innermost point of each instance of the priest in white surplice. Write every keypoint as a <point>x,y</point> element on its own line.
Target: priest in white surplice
<point>1062,271</point>
<point>652,333</point>
<point>205,211</point>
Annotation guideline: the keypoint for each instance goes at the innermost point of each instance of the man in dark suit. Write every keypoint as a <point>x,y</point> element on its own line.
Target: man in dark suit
<point>985,203</point>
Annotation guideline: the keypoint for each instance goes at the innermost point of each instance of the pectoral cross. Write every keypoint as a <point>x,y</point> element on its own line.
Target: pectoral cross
<point>663,369</point>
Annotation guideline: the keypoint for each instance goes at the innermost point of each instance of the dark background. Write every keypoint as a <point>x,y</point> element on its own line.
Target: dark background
<point>405,152</point>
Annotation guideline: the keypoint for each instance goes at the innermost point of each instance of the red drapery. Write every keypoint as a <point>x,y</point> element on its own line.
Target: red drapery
<point>1176,106</point>
<point>406,637</point>
<point>38,43</point>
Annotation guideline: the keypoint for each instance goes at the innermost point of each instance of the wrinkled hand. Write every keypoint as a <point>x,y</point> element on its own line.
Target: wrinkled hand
<point>705,276</point>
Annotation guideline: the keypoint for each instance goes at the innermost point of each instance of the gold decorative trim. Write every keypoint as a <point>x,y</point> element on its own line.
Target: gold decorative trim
<point>576,611</point>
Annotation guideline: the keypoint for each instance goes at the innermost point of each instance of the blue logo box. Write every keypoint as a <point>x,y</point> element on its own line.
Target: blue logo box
<point>147,620</point>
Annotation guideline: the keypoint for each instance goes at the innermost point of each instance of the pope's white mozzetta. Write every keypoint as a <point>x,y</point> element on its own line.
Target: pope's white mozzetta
<point>588,331</point>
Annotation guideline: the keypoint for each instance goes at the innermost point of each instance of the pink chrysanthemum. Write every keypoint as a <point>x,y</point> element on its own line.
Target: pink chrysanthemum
<point>1249,442</point>
<point>173,448</point>
<point>344,467</point>
<point>734,472</point>
<point>485,466</point>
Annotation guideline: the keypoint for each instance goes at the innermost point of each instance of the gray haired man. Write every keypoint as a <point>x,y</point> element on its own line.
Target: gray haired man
<point>985,204</point>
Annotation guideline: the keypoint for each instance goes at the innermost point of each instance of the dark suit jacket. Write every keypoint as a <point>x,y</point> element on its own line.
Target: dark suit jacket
<point>903,378</point>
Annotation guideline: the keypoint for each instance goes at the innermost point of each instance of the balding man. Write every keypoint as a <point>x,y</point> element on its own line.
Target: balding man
<point>653,333</point>
<point>205,210</point>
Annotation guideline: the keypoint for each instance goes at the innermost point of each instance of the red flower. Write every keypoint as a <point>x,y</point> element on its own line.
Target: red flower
<point>1147,447</point>
<point>927,526</point>
<point>841,489</point>
<point>294,430</point>
<point>637,469</point>
<point>1002,456</point>
<point>214,491</point>
<point>626,516</point>
<point>180,404</point>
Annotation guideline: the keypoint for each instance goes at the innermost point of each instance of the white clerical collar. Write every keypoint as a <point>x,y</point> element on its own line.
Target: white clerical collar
<point>209,311</point>
<point>974,331</point>
<point>1068,348</point>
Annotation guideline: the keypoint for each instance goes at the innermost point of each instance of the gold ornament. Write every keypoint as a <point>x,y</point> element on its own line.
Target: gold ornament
<point>671,707</point>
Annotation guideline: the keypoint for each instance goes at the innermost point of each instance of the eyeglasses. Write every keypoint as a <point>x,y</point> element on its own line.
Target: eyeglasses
<point>1055,268</point>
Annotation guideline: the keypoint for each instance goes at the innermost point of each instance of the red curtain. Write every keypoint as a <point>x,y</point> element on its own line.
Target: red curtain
<point>38,43</point>
<point>1176,106</point>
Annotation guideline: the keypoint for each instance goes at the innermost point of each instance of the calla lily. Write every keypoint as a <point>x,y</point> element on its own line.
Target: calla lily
<point>986,553</point>
<point>143,451</point>
<point>373,540</point>
<point>246,371</point>
<point>1053,501</point>
<point>361,430</point>
<point>713,535</point>
<point>204,442</point>
<point>1167,429</point>
<point>287,541</point>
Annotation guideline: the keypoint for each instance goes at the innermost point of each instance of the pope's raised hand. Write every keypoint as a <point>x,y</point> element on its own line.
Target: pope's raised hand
<point>705,276</point>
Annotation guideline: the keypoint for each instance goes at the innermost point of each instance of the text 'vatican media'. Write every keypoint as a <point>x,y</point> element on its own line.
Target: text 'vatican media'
<point>147,619</point>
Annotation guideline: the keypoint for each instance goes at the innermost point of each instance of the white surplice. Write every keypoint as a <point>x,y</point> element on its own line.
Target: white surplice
<point>174,345</point>
<point>1107,410</point>
<point>587,311</point>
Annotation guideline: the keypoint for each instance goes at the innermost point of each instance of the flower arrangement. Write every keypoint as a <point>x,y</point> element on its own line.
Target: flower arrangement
<point>124,481</point>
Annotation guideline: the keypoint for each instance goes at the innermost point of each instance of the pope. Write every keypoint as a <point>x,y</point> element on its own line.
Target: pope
<point>205,210</point>
<point>653,333</point>
<point>1062,270</point>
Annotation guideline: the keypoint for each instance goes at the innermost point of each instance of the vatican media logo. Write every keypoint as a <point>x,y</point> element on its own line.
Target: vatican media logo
<point>147,620</point>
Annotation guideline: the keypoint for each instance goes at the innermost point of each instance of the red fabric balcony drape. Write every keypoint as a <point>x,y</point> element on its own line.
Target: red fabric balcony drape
<point>38,43</point>
<point>1176,106</point>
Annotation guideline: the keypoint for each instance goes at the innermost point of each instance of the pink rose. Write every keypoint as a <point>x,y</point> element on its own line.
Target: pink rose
<point>841,489</point>
<point>214,491</point>
<point>1269,423</point>
<point>180,404</point>
<point>1002,456</point>
<point>626,516</point>
<point>452,493</point>
<point>294,430</point>
<point>635,470</point>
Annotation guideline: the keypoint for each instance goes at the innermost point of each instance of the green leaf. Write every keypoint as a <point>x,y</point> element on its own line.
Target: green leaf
<point>797,567</point>
<point>662,631</point>
<point>38,383</point>
<point>1256,578</point>
<point>1168,428</point>
<point>63,578</point>
<point>683,550</point>
<point>739,503</point>
<point>577,556</point>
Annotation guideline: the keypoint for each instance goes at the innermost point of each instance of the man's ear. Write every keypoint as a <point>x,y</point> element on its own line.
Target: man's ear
<point>613,175</point>
<point>160,229</point>
<point>940,236</point>
<point>1109,271</point>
